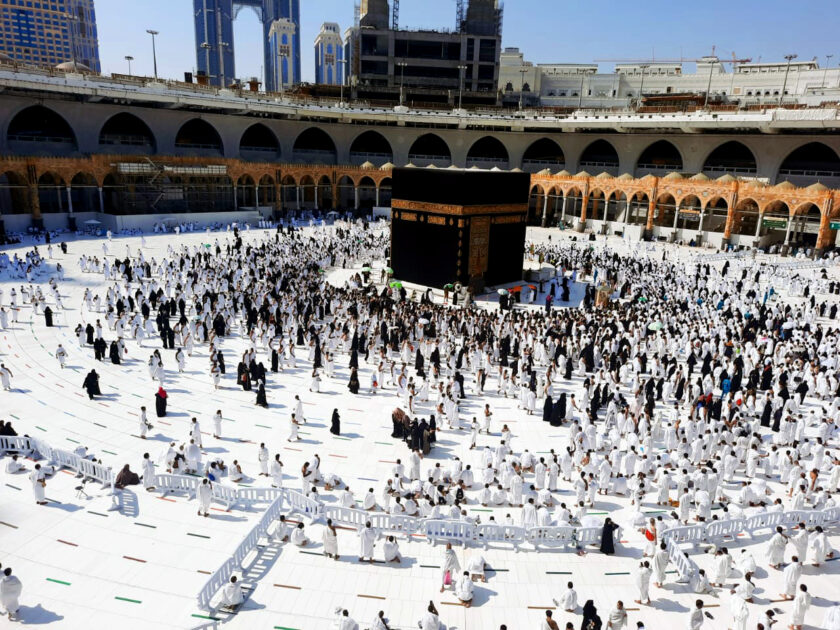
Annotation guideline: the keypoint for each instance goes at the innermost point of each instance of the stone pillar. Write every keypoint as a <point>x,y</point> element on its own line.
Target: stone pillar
<point>101,201</point>
<point>544,221</point>
<point>676,216</point>
<point>356,197</point>
<point>377,196</point>
<point>758,224</point>
<point>651,211</point>
<point>563,211</point>
<point>787,230</point>
<point>297,197</point>
<point>606,209</point>
<point>235,199</point>
<point>824,234</point>
<point>60,202</point>
<point>257,195</point>
<point>69,200</point>
<point>334,196</point>
<point>627,210</point>
<point>35,203</point>
<point>581,226</point>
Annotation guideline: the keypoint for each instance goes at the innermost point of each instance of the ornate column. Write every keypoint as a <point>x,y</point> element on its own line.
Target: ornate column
<point>676,215</point>
<point>101,200</point>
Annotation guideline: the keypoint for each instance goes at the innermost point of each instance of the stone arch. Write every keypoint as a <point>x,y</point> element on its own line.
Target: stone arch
<point>127,133</point>
<point>51,187</point>
<point>658,158</point>
<point>371,146</point>
<point>84,193</point>
<point>535,204</point>
<point>617,206</point>
<point>288,191</point>
<point>245,192</point>
<point>639,207</point>
<point>488,152</point>
<point>259,143</point>
<point>715,215</point>
<point>665,210</point>
<point>14,194</point>
<point>430,150</point>
<point>574,207</point>
<point>775,217</point>
<point>314,146</point>
<point>325,192</point>
<point>809,164</point>
<point>199,137</point>
<point>346,191</point>
<point>367,192</point>
<point>690,206</point>
<point>541,154</point>
<point>556,200</point>
<point>731,157</point>
<point>385,192</point>
<point>600,155</point>
<point>596,205</point>
<point>806,226</point>
<point>747,217</point>
<point>308,191</point>
<point>38,130</point>
<point>267,191</point>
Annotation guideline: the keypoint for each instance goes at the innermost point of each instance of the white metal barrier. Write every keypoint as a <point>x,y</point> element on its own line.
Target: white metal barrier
<point>226,495</point>
<point>449,531</point>
<point>177,483</point>
<point>763,520</point>
<point>692,534</point>
<point>222,575</point>
<point>302,504</point>
<point>721,529</point>
<point>487,534</point>
<point>348,516</point>
<point>592,535</point>
<point>257,495</point>
<point>686,567</point>
<point>552,536</point>
<point>15,443</point>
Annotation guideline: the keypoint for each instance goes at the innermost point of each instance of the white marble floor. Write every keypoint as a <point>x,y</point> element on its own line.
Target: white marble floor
<point>142,566</point>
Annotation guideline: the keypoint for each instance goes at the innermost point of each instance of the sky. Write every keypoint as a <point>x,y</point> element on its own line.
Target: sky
<point>547,31</point>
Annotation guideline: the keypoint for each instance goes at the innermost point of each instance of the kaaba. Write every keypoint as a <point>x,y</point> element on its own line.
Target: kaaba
<point>464,226</point>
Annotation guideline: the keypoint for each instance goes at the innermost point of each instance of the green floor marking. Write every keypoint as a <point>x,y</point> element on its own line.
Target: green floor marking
<point>144,525</point>
<point>72,440</point>
<point>206,617</point>
<point>58,581</point>
<point>109,452</point>
<point>42,428</point>
<point>263,426</point>
<point>126,599</point>
<point>197,535</point>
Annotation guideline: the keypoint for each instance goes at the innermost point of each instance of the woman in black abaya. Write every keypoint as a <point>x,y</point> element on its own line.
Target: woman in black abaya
<point>335,427</point>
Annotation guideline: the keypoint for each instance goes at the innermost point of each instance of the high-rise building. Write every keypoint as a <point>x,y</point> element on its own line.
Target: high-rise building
<point>214,45</point>
<point>329,55</point>
<point>282,40</point>
<point>426,65</point>
<point>50,33</point>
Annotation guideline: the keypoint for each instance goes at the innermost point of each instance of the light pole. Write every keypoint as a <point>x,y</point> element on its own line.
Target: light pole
<point>825,71</point>
<point>522,72</point>
<point>129,59</point>
<point>222,80</point>
<point>154,33</point>
<point>343,63</point>
<point>402,64</point>
<point>461,69</point>
<point>207,48</point>
<point>787,71</point>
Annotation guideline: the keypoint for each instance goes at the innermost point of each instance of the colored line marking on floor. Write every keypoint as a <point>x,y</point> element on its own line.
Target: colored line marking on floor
<point>8,524</point>
<point>97,513</point>
<point>58,581</point>
<point>371,596</point>
<point>204,572</point>
<point>430,566</point>
<point>453,604</point>
<point>480,510</point>
<point>126,599</point>
<point>284,628</point>
<point>198,616</point>
<point>100,425</point>
<point>383,443</point>
<point>42,428</point>
<point>341,456</point>
<point>67,542</point>
<point>337,437</point>
<point>72,440</point>
<point>144,525</point>
<point>14,416</point>
<point>289,448</point>
<point>367,479</point>
<point>167,499</point>
<point>11,486</point>
<point>618,573</point>
<point>197,535</point>
<point>538,607</point>
<point>498,570</point>
<point>386,461</point>
<point>294,588</point>
<point>109,452</point>
<point>312,553</point>
<point>558,572</point>
<point>134,559</point>
<point>264,426</point>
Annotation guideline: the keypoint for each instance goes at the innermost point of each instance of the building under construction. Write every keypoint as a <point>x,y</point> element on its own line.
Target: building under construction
<point>426,66</point>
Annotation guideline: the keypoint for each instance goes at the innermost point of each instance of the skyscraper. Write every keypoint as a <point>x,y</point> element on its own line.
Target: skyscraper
<point>50,33</point>
<point>214,45</point>
<point>329,55</point>
<point>282,40</point>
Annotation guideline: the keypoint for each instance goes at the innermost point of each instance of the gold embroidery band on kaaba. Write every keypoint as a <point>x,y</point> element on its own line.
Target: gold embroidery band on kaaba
<point>454,210</point>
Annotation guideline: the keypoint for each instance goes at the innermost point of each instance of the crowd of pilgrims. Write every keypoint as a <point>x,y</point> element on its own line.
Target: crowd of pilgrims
<point>688,389</point>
